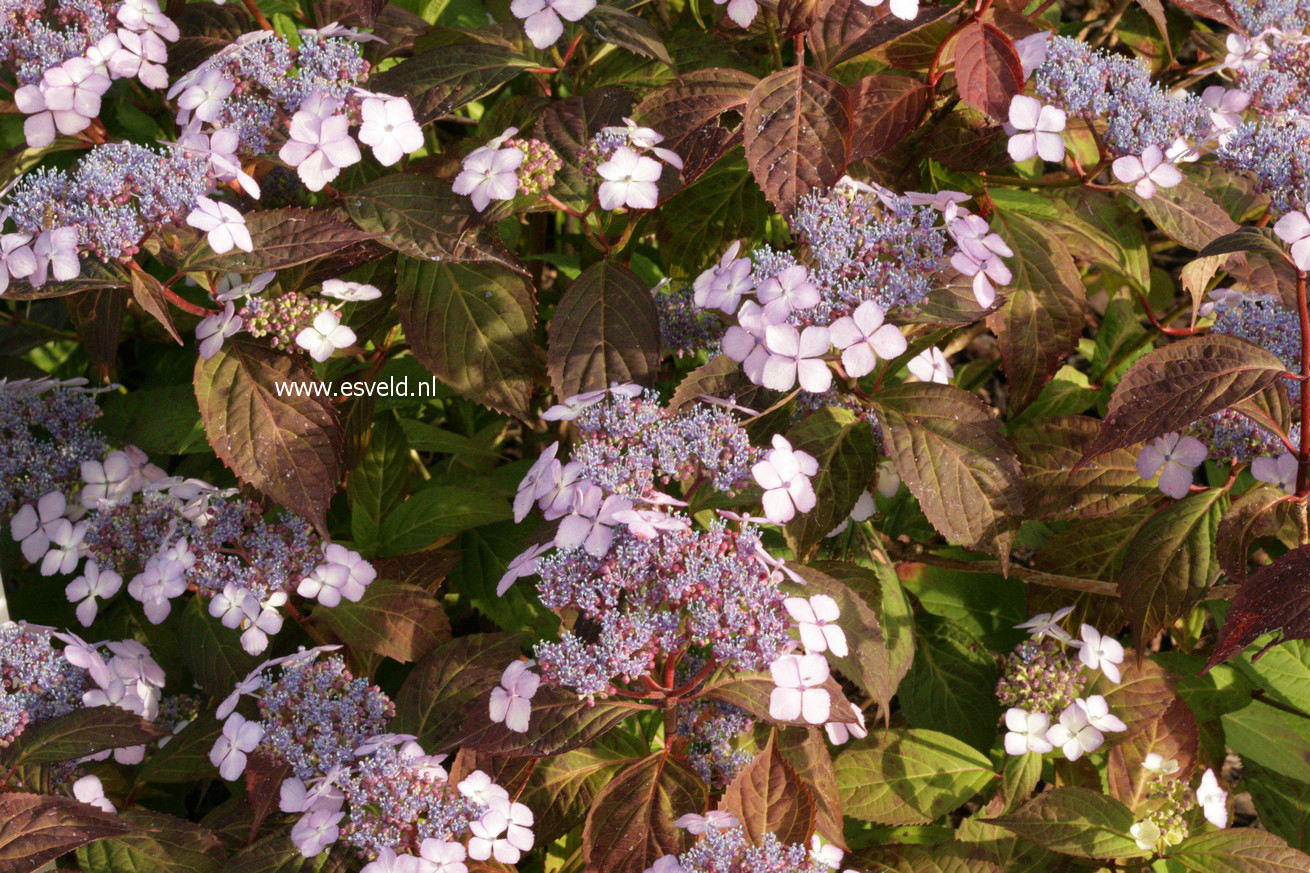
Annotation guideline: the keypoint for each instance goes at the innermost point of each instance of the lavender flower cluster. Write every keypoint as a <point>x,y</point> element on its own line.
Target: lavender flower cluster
<point>378,793</point>
<point>237,102</point>
<point>870,252</point>
<point>1259,16</point>
<point>1138,113</point>
<point>46,433</point>
<point>645,584</point>
<point>113,198</point>
<point>39,682</point>
<point>730,850</point>
<point>711,729</point>
<point>165,535</point>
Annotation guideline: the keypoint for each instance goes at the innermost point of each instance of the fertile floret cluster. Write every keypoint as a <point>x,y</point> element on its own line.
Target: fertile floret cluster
<point>164,535</point>
<point>39,682</point>
<point>351,782</point>
<point>1042,686</point>
<point>730,850</point>
<point>46,433</point>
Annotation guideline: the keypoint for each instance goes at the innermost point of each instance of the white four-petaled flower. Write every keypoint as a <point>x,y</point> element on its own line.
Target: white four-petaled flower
<point>1099,652</point>
<point>1147,173</point>
<point>784,475</point>
<point>541,18</point>
<point>511,700</point>
<point>224,227</point>
<point>863,338</point>
<point>325,336</point>
<point>629,180</point>
<point>798,693</point>
<point>1026,732</point>
<point>1035,129</point>
<point>1174,457</point>
<point>816,622</point>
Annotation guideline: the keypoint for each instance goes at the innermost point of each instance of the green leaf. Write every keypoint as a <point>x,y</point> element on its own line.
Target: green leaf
<point>949,451</point>
<point>1271,737</point>
<point>472,325</point>
<point>80,733</point>
<point>37,828</point>
<point>158,844</point>
<point>1184,381</point>
<point>441,690</point>
<point>378,483</point>
<point>435,512</point>
<point>626,30</point>
<point>843,445</point>
<point>630,826</point>
<point>212,652</point>
<point>797,127</point>
<point>908,776</point>
<point>159,421</point>
<point>393,619</point>
<point>767,797</point>
<point>1246,239</point>
<point>1282,803</point>
<point>723,205</point>
<point>1075,821</point>
<point>1283,672</point>
<point>1048,454</point>
<point>1046,309</point>
<point>951,686</point>
<point>282,238</point>
<point>442,79</point>
<point>1239,850</point>
<point>423,219</point>
<point>284,444</point>
<point>605,330</point>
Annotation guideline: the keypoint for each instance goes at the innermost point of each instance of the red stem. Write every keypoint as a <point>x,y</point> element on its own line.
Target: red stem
<point>1303,458</point>
<point>253,9</point>
<point>186,305</point>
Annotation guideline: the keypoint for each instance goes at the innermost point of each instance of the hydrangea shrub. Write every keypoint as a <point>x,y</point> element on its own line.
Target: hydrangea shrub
<point>672,437</point>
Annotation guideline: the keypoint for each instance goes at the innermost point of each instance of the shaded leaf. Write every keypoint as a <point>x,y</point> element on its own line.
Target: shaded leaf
<point>564,788</point>
<point>797,133</point>
<point>951,687</point>
<point>442,689</point>
<point>392,619</point>
<point>843,445</point>
<point>1258,513</point>
<point>904,776</point>
<point>213,653</point>
<point>559,723</point>
<point>422,218</point>
<point>723,205</point>
<point>1282,803</point>
<point>1039,326</point>
<point>442,79</point>
<point>884,109</point>
<point>186,756</point>
<point>436,512</point>
<point>472,325</point>
<point>688,111</point>
<point>376,486</point>
<point>807,750</point>
<point>626,30</point>
<point>149,295</point>
<point>605,330</point>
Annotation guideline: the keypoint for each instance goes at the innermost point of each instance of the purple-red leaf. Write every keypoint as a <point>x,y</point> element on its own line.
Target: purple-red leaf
<point>1274,598</point>
<point>1184,381</point>
<point>605,330</point>
<point>285,444</point>
<point>798,134</point>
<point>37,828</point>
<point>884,109</point>
<point>631,826</point>
<point>987,69</point>
<point>767,797</point>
